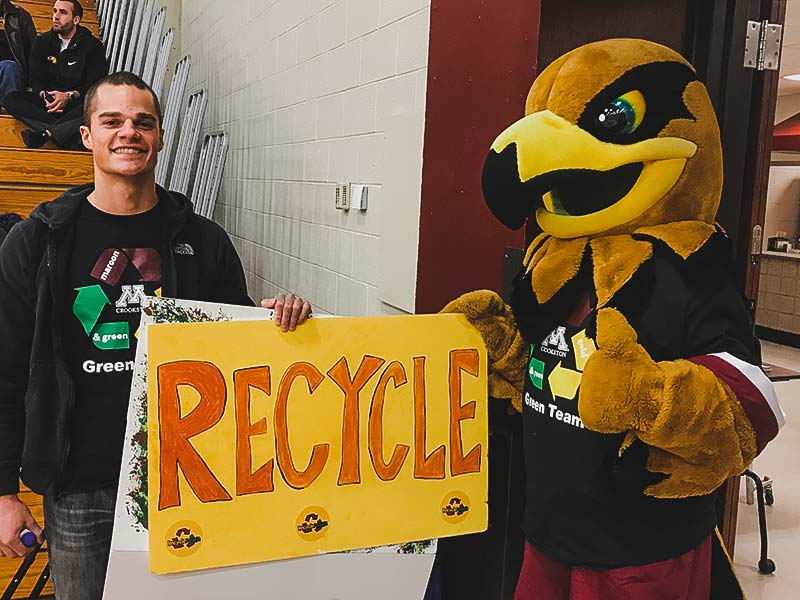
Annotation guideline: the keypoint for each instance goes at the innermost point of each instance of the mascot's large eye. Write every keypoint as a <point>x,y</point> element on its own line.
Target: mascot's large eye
<point>623,115</point>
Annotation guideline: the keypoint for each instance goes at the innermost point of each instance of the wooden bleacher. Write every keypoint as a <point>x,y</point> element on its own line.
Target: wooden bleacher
<point>28,177</point>
<point>44,23</point>
<point>39,8</point>
<point>11,131</point>
<point>48,167</point>
<point>9,567</point>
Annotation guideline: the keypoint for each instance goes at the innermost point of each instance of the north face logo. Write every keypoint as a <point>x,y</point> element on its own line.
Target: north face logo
<point>131,294</point>
<point>183,248</point>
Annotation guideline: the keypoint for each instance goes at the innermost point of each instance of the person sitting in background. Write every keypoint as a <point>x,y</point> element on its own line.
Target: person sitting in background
<point>17,34</point>
<point>65,62</point>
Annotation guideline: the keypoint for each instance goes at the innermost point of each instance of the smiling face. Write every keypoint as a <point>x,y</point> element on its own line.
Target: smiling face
<point>64,21</point>
<point>124,133</point>
<point>613,132</point>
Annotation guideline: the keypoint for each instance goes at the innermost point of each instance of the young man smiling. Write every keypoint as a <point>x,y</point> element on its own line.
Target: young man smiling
<point>72,278</point>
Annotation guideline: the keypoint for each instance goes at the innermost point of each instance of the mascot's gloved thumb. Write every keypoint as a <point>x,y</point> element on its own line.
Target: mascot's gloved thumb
<point>621,386</point>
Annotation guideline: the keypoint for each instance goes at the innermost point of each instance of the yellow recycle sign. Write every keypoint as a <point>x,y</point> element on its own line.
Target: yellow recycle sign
<point>564,382</point>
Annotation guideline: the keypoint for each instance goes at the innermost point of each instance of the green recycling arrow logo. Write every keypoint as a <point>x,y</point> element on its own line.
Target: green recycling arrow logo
<point>88,307</point>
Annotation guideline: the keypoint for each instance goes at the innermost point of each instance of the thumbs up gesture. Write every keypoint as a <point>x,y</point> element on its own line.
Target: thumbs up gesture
<point>622,386</point>
<point>696,429</point>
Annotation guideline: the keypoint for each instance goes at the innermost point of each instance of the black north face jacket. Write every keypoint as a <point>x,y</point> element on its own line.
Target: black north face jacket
<point>36,387</point>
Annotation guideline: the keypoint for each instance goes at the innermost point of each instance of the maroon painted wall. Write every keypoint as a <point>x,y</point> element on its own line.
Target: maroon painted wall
<point>567,25</point>
<point>482,61</point>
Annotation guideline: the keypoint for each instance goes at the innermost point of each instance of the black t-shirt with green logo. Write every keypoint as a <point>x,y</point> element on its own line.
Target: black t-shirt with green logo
<point>584,503</point>
<point>115,262</point>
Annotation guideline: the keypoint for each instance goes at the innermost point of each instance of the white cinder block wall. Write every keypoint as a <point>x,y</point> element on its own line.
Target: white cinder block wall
<point>307,90</point>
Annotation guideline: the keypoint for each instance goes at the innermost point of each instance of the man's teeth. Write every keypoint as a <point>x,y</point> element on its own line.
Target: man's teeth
<point>127,151</point>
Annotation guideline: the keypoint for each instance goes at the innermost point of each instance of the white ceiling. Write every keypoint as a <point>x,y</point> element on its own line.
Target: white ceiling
<point>790,54</point>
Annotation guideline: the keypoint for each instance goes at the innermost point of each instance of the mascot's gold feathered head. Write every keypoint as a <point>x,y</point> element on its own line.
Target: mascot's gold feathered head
<point>618,136</point>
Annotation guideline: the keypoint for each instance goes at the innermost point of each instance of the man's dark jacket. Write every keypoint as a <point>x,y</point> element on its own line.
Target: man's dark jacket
<point>21,35</point>
<point>78,67</point>
<point>36,388</point>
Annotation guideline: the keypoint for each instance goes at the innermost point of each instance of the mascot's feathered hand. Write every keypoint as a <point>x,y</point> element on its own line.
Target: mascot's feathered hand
<point>505,348</point>
<point>693,422</point>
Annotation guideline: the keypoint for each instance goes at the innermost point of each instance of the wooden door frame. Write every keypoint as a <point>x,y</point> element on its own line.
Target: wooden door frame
<point>746,97</point>
<point>762,123</point>
<point>745,103</point>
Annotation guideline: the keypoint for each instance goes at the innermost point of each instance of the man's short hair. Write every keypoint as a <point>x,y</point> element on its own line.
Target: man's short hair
<point>77,9</point>
<point>117,79</point>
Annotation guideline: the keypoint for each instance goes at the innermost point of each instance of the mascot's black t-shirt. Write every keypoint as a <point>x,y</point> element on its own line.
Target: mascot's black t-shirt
<point>115,263</point>
<point>585,504</point>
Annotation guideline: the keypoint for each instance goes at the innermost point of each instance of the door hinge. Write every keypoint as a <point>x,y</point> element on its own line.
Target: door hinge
<point>762,46</point>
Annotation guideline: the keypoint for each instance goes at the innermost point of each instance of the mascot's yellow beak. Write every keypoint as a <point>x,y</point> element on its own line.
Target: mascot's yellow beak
<point>550,148</point>
<point>606,150</point>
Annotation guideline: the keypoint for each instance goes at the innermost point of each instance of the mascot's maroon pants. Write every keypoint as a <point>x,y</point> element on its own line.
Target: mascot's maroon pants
<point>684,578</point>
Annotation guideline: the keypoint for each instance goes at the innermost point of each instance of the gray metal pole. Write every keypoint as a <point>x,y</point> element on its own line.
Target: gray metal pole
<point>118,54</point>
<point>188,116</point>
<point>161,64</point>
<point>215,179</point>
<point>134,38</point>
<point>104,18</point>
<point>144,38</point>
<point>177,91</point>
<point>153,45</point>
<point>112,31</point>
<point>202,170</point>
<point>100,9</point>
<point>189,138</point>
<point>208,179</point>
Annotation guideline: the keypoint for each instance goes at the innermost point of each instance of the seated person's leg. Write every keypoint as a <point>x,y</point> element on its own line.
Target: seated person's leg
<point>65,132</point>
<point>10,77</point>
<point>29,109</point>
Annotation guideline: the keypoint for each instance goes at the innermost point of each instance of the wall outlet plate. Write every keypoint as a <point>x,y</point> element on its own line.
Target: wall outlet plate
<point>342,200</point>
<point>358,196</point>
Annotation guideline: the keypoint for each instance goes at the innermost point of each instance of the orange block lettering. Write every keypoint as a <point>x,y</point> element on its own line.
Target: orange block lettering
<point>386,471</point>
<point>176,431</point>
<point>462,360</point>
<point>350,470</point>
<point>248,482</point>
<point>319,454</point>
<point>432,465</point>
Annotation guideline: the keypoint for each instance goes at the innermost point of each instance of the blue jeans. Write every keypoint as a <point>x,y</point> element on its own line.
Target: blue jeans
<point>78,529</point>
<point>10,78</point>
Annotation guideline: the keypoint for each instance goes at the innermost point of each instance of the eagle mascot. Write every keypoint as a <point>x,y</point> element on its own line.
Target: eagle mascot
<point>625,344</point>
